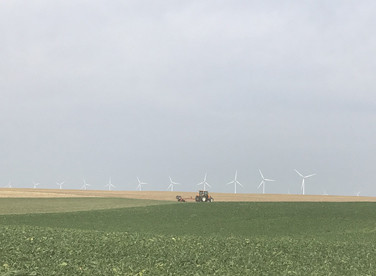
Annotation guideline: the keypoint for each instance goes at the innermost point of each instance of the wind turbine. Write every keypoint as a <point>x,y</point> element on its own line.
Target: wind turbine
<point>304,177</point>
<point>235,181</point>
<point>84,187</point>
<point>110,185</point>
<point>35,185</point>
<point>60,184</point>
<point>263,181</point>
<point>9,185</point>
<point>139,186</point>
<point>204,182</point>
<point>172,183</point>
<point>358,194</point>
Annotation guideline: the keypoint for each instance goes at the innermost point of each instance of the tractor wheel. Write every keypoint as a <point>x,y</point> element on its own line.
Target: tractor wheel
<point>197,199</point>
<point>211,200</point>
<point>204,199</point>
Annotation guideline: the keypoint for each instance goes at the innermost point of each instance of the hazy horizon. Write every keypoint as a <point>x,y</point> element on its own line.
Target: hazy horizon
<point>156,89</point>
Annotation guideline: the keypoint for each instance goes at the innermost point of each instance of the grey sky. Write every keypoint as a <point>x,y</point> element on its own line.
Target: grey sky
<point>156,88</point>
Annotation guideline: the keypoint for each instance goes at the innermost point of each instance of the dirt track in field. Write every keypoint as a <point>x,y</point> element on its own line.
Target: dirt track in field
<point>170,196</point>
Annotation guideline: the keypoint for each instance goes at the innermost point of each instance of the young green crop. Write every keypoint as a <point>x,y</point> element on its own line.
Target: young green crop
<point>221,219</point>
<point>194,239</point>
<point>30,250</point>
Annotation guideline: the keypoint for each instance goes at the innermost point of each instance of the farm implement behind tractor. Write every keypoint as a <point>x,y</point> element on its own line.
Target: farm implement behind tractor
<point>202,196</point>
<point>180,199</point>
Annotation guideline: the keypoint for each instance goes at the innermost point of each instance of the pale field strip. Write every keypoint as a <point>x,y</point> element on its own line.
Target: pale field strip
<point>170,196</point>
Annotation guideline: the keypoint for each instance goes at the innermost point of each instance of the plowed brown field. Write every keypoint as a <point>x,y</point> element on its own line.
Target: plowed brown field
<point>170,196</point>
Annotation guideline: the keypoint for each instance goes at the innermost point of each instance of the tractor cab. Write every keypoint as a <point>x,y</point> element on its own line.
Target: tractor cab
<point>203,193</point>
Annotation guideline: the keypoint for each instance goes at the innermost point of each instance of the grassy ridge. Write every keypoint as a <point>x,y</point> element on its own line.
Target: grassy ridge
<point>56,205</point>
<point>194,239</point>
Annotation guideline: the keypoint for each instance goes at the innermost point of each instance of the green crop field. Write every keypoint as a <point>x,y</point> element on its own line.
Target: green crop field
<point>191,239</point>
<point>54,205</point>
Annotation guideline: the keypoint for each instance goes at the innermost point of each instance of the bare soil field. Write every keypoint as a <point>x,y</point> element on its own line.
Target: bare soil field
<point>170,196</point>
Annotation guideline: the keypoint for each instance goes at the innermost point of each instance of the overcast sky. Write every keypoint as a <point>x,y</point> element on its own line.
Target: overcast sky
<point>148,89</point>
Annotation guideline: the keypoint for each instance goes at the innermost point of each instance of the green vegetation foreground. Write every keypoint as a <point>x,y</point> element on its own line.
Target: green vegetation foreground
<point>194,239</point>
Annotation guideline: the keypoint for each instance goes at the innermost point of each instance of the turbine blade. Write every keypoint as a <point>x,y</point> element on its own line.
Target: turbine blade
<point>309,175</point>
<point>299,173</point>
<point>261,174</point>
<point>262,182</point>
<point>239,183</point>
<point>269,179</point>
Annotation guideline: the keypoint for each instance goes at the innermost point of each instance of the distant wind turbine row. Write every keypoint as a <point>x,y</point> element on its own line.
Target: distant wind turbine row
<point>171,186</point>
<point>263,181</point>
<point>35,184</point>
<point>110,185</point>
<point>304,178</point>
<point>203,183</point>
<point>235,181</point>
<point>84,187</point>
<point>60,185</point>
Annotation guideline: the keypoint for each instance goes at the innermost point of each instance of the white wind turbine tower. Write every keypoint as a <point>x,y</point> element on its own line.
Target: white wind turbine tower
<point>304,177</point>
<point>235,181</point>
<point>84,187</point>
<point>35,185</point>
<point>263,181</point>
<point>172,183</point>
<point>60,185</point>
<point>139,186</point>
<point>110,185</point>
<point>204,182</point>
